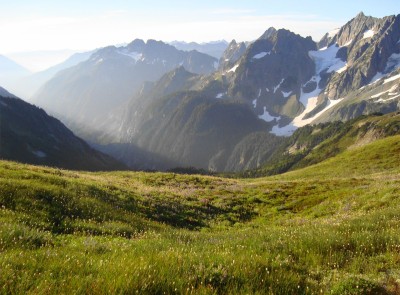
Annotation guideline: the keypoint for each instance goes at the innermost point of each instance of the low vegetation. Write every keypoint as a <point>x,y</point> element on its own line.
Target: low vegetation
<point>313,144</point>
<point>331,228</point>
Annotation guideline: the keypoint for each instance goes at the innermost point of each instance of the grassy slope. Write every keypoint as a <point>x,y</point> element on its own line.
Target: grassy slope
<point>313,144</point>
<point>331,228</point>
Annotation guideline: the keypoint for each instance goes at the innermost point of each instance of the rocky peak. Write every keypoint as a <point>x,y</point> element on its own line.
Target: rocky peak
<point>267,34</point>
<point>136,45</point>
<point>271,73</point>
<point>232,54</point>
<point>355,29</point>
<point>368,46</point>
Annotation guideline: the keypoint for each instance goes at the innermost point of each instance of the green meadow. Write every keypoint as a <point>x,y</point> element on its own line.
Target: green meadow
<point>330,228</point>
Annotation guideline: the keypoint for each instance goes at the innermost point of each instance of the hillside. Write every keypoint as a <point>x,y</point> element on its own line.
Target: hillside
<point>29,135</point>
<point>312,144</point>
<point>331,228</point>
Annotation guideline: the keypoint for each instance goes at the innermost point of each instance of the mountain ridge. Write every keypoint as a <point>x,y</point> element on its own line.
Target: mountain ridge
<point>29,135</point>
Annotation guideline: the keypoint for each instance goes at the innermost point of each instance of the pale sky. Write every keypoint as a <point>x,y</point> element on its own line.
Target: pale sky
<point>85,25</point>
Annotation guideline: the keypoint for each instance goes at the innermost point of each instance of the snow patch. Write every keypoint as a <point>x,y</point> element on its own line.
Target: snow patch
<point>286,94</point>
<point>254,103</point>
<point>368,34</point>
<point>267,117</point>
<point>259,92</point>
<point>379,94</point>
<point>267,89</point>
<point>220,95</point>
<point>39,154</point>
<point>299,121</point>
<point>234,68</point>
<point>134,55</point>
<point>261,54</point>
<point>388,99</point>
<point>340,69</point>
<point>391,79</point>
<point>279,85</point>
<point>390,92</point>
<point>325,59</point>
<point>99,61</point>
<point>348,43</point>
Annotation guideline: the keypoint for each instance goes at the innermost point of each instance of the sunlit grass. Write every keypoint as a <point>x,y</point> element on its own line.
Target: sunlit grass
<point>333,228</point>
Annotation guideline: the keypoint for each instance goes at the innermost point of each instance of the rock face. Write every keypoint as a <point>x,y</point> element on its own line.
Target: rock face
<point>368,44</point>
<point>272,71</point>
<point>86,93</point>
<point>29,135</point>
<point>231,55</point>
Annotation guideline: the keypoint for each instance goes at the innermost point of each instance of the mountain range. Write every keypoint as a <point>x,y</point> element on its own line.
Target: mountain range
<point>215,49</point>
<point>153,106</point>
<point>87,92</point>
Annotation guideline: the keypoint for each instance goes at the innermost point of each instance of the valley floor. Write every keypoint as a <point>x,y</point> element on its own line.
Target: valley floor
<point>331,228</point>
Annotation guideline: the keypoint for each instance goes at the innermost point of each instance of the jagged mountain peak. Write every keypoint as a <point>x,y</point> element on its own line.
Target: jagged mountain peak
<point>232,54</point>
<point>136,45</point>
<point>360,15</point>
<point>358,28</point>
<point>233,42</point>
<point>268,33</point>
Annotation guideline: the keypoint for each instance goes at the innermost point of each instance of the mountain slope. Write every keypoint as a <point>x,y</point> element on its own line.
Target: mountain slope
<point>185,121</point>
<point>28,86</point>
<point>310,145</point>
<point>29,135</point>
<point>85,93</point>
<point>231,55</point>
<point>195,130</point>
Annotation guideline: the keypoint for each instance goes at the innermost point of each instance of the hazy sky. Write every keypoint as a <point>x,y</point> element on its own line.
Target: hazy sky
<point>87,24</point>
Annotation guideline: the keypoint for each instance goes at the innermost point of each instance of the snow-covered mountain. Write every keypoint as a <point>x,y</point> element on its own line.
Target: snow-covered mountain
<point>292,81</point>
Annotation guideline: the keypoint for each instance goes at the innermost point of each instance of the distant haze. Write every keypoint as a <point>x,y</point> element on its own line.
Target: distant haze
<point>85,25</point>
<point>40,60</point>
